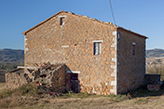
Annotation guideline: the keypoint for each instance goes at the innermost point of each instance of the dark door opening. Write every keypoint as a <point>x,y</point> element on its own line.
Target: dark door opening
<point>72,82</point>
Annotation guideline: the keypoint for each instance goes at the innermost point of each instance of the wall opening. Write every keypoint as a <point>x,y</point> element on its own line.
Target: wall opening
<point>62,19</point>
<point>97,48</point>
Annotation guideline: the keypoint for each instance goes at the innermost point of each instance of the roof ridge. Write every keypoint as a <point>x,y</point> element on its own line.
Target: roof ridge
<point>84,16</point>
<point>108,23</point>
<point>43,22</point>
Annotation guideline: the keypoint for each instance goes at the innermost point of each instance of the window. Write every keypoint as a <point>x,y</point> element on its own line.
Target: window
<point>62,20</point>
<point>97,48</point>
<point>134,48</point>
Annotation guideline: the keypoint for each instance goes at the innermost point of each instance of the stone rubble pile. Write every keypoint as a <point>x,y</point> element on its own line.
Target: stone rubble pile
<point>153,87</point>
<point>50,78</point>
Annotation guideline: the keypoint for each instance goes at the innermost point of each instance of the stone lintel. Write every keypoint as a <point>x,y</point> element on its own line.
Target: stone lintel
<point>73,71</point>
<point>25,67</point>
<point>97,41</point>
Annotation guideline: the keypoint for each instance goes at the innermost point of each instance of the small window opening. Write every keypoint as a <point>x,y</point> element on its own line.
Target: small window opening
<point>62,20</point>
<point>133,49</point>
<point>97,48</point>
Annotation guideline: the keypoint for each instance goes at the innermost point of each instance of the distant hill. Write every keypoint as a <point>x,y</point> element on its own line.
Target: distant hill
<point>9,60</point>
<point>17,56</point>
<point>11,56</point>
<point>155,53</point>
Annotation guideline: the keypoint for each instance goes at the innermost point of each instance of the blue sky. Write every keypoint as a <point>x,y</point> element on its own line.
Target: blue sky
<point>142,16</point>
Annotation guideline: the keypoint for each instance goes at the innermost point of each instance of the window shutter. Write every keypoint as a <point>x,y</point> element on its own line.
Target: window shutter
<point>99,48</point>
<point>95,48</point>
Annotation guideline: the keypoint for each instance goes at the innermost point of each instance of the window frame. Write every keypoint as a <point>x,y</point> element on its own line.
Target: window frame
<point>97,48</point>
<point>62,20</point>
<point>97,45</point>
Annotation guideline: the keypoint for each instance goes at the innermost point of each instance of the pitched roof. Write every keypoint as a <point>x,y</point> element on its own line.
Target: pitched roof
<point>107,23</point>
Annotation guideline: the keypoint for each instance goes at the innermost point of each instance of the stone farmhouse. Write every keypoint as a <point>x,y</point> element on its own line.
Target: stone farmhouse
<point>99,57</point>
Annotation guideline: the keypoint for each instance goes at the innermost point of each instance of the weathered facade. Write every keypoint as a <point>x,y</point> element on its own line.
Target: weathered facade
<point>100,57</point>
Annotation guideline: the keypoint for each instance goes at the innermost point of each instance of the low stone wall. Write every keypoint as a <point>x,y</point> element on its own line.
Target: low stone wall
<point>152,78</point>
<point>16,78</point>
<point>2,76</point>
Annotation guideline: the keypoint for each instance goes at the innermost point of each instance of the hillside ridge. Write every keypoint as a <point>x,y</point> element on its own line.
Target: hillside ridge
<point>155,53</point>
<point>11,56</point>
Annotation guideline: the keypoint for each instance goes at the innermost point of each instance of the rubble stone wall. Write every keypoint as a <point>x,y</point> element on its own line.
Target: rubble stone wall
<point>58,79</point>
<point>50,76</point>
<point>73,44</point>
<point>131,67</point>
<point>15,79</point>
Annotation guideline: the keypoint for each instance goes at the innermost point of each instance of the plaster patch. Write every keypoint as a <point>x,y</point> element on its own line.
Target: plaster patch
<point>65,46</point>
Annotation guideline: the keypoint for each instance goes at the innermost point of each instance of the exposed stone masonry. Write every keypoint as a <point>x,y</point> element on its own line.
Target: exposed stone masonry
<point>16,78</point>
<point>51,75</point>
<point>113,71</point>
<point>72,44</point>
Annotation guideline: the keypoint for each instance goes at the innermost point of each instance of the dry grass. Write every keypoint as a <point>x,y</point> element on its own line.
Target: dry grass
<point>141,99</point>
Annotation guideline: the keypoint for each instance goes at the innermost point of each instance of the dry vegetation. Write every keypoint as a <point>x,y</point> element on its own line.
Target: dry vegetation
<point>155,65</point>
<point>26,97</point>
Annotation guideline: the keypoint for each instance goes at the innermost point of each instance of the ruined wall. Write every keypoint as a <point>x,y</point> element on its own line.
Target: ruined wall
<point>16,79</point>
<point>72,44</point>
<point>131,68</point>
<point>51,76</point>
<point>58,79</point>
